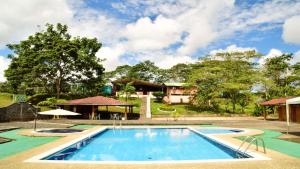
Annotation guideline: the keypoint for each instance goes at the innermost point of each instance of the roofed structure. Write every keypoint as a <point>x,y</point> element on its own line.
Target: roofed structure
<point>97,100</point>
<point>277,101</point>
<point>175,84</point>
<point>88,107</point>
<point>142,88</point>
<point>288,108</point>
<point>136,82</point>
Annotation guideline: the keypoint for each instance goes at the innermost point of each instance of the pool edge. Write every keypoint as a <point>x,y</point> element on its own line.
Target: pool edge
<point>38,158</point>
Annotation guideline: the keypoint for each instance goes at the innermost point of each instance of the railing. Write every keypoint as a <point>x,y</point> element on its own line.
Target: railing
<point>250,139</point>
<point>115,117</point>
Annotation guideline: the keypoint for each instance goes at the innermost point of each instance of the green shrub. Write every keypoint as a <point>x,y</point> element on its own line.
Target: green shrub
<point>60,100</point>
<point>45,103</point>
<point>258,110</point>
<point>51,99</point>
<point>35,99</point>
<point>166,108</point>
<point>159,95</point>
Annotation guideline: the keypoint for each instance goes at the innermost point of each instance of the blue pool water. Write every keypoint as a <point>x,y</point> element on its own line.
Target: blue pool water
<point>145,144</point>
<point>218,131</point>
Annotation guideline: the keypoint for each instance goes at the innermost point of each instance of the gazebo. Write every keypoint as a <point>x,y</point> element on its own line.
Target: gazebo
<point>88,106</point>
<point>288,108</point>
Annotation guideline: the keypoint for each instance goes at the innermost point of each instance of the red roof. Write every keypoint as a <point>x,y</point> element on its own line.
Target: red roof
<point>97,100</point>
<point>278,101</point>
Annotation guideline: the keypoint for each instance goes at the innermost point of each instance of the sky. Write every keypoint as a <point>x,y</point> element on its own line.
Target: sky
<point>166,32</point>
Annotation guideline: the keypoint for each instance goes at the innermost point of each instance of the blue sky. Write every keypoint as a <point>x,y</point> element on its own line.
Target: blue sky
<point>166,32</point>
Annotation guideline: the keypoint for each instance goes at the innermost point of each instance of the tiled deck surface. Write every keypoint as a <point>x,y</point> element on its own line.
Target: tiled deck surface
<point>279,161</point>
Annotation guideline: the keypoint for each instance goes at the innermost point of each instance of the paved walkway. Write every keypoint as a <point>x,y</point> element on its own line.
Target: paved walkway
<point>20,143</point>
<point>241,122</point>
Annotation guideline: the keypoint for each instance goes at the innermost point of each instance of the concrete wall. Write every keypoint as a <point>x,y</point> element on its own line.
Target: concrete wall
<point>174,99</point>
<point>137,95</point>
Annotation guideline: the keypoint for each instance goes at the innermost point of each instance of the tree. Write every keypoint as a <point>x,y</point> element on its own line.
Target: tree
<point>5,87</point>
<point>180,72</point>
<point>239,74</point>
<point>121,72</point>
<point>144,71</point>
<point>278,72</point>
<point>128,90</point>
<point>205,76</point>
<point>52,58</point>
<point>225,76</point>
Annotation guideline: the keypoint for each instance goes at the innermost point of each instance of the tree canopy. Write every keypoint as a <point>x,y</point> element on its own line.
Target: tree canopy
<point>53,59</point>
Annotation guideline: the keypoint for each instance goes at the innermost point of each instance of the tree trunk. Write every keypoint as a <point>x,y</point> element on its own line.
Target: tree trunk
<point>58,87</point>
<point>233,101</point>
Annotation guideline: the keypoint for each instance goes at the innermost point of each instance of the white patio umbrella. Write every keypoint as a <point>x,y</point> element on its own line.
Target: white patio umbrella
<point>295,100</point>
<point>59,112</point>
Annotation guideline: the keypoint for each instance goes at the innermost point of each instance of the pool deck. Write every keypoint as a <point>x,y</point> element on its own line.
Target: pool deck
<point>278,160</point>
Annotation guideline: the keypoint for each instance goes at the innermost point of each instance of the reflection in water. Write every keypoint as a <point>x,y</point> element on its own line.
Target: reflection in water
<point>179,133</point>
<point>138,135</point>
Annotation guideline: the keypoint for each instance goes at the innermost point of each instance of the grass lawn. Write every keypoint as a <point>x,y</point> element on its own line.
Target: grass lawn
<point>5,99</point>
<point>135,101</point>
<point>181,109</point>
<point>21,143</point>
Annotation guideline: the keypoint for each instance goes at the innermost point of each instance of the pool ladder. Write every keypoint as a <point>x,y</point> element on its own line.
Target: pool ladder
<point>114,124</point>
<point>251,140</point>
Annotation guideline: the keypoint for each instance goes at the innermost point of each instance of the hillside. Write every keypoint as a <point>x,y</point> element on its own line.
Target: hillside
<point>5,99</point>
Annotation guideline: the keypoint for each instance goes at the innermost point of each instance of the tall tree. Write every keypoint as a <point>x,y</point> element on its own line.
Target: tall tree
<point>144,71</point>
<point>121,72</point>
<point>239,74</point>
<point>52,58</point>
<point>206,77</point>
<point>225,75</point>
<point>279,71</point>
<point>180,72</point>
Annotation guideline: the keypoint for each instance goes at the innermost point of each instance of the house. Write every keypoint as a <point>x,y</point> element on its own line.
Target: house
<point>292,104</point>
<point>142,88</point>
<point>178,93</point>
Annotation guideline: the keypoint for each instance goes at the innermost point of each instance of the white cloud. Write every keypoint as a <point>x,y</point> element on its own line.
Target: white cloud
<point>164,59</point>
<point>230,49</point>
<point>272,53</point>
<point>201,22</point>
<point>296,57</point>
<point>18,19</point>
<point>4,62</point>
<point>112,56</point>
<point>152,35</point>
<point>291,31</point>
<point>167,61</point>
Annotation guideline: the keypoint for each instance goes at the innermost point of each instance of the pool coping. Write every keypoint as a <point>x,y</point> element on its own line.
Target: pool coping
<point>255,156</point>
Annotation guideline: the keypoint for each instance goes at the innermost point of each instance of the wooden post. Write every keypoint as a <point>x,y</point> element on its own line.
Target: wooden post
<point>93,112</point>
<point>74,108</point>
<point>265,113</point>
<point>125,112</point>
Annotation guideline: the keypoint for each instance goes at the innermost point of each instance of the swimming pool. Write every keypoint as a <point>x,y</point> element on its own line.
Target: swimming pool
<point>146,144</point>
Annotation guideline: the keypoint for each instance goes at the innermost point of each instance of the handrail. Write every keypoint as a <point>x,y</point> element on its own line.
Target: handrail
<point>251,139</point>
